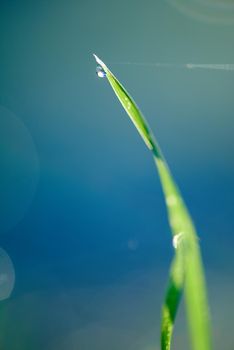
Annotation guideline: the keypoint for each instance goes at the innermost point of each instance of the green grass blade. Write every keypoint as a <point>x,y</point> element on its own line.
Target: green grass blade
<point>129,106</point>
<point>172,300</point>
<point>187,261</point>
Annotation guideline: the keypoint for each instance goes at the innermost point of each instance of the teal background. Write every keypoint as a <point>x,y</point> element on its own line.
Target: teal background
<point>82,213</point>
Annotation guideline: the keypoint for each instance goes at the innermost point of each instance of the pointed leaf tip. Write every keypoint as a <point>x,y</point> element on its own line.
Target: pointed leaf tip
<point>98,60</point>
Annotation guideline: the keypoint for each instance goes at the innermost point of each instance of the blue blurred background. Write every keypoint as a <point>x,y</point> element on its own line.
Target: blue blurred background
<point>82,214</point>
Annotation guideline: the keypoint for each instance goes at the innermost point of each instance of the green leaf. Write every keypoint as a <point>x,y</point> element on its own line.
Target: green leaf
<point>186,270</point>
<point>172,300</point>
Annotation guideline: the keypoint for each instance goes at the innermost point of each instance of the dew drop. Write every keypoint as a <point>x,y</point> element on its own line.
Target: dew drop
<point>171,200</point>
<point>100,72</point>
<point>177,239</point>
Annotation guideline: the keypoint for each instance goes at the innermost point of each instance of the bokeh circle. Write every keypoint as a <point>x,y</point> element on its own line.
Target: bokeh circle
<point>7,275</point>
<point>19,170</point>
<point>219,11</point>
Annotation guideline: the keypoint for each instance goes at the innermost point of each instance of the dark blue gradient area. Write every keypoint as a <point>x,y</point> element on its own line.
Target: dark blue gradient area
<point>82,215</point>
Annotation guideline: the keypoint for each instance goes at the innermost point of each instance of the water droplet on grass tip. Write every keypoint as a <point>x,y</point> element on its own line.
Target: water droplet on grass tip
<point>100,72</point>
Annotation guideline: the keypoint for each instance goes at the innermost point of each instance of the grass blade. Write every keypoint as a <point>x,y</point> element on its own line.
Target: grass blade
<point>172,300</point>
<point>187,270</point>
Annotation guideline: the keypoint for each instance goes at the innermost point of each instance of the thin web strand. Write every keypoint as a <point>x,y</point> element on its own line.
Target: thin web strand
<point>210,66</point>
